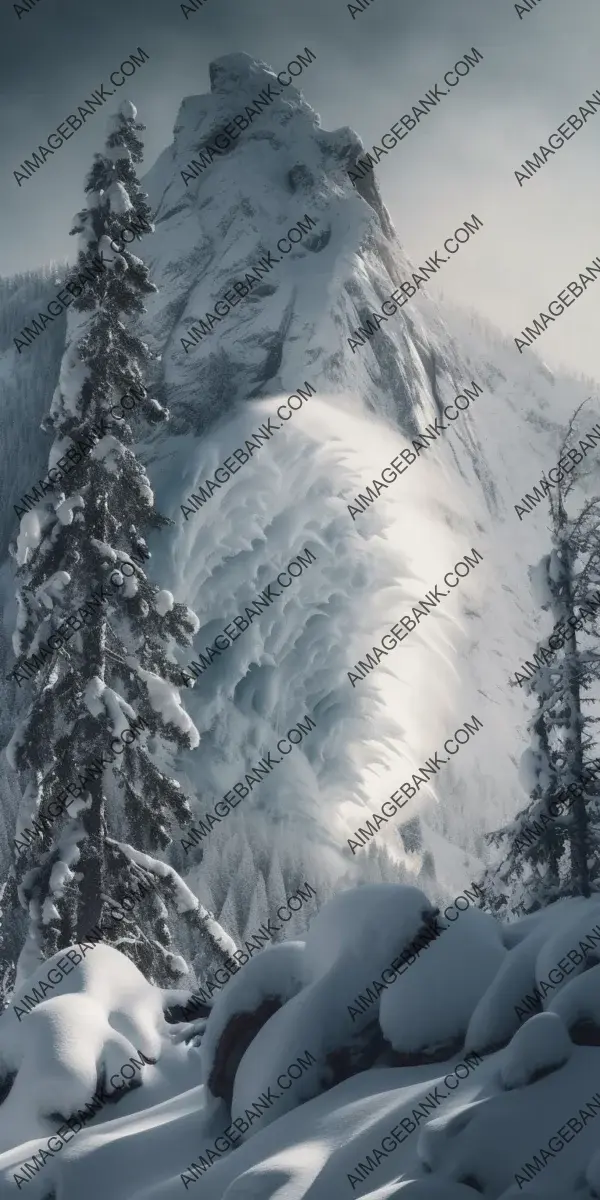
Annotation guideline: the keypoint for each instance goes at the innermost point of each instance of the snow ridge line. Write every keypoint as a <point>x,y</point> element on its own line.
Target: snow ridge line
<point>408,1125</point>
<point>537,1166</point>
<point>408,289</point>
<point>99,1099</point>
<point>255,1112</point>
<point>427,770</point>
<point>430,600</point>
<point>191,673</point>
<point>534,1002</point>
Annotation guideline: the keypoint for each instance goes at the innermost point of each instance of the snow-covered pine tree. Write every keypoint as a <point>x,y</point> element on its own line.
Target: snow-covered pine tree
<point>573,580</point>
<point>527,875</point>
<point>79,555</point>
<point>546,858</point>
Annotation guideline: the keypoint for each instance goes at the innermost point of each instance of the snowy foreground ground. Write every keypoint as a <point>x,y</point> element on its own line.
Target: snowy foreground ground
<point>397,1051</point>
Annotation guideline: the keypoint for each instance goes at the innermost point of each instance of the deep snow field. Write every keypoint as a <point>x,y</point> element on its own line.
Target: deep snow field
<point>417,1066</point>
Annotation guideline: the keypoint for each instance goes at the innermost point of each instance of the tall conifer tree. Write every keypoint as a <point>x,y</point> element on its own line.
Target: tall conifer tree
<point>80,556</point>
<point>547,857</point>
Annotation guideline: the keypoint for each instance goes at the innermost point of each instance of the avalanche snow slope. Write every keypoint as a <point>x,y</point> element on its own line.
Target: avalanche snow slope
<point>293,493</point>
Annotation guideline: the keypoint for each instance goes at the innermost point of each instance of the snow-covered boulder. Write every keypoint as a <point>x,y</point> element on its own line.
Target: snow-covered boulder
<point>68,1029</point>
<point>351,941</point>
<point>495,1018</point>
<point>103,975</point>
<point>70,1046</point>
<point>541,1045</point>
<point>247,1001</point>
<point>427,1010</point>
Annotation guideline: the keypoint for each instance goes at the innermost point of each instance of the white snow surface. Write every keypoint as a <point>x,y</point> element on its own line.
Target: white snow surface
<point>440,990</point>
<point>479,1124</point>
<point>540,1046</point>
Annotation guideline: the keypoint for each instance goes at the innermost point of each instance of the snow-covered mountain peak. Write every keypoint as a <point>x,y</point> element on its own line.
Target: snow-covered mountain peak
<point>267,259</point>
<point>248,100</point>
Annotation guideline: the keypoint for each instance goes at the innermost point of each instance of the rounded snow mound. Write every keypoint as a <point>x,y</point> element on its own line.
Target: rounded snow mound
<point>421,1132</point>
<point>69,1028</point>
<point>542,1045</point>
<point>429,1006</point>
<point>496,1016</point>
<point>578,1005</point>
<point>351,941</point>
<point>249,999</point>
<point>363,916</point>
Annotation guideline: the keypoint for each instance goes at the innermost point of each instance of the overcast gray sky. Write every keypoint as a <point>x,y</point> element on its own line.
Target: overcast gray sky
<point>370,70</point>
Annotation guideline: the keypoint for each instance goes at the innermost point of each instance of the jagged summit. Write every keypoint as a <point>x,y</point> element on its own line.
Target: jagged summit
<point>236,80</point>
<point>238,73</point>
